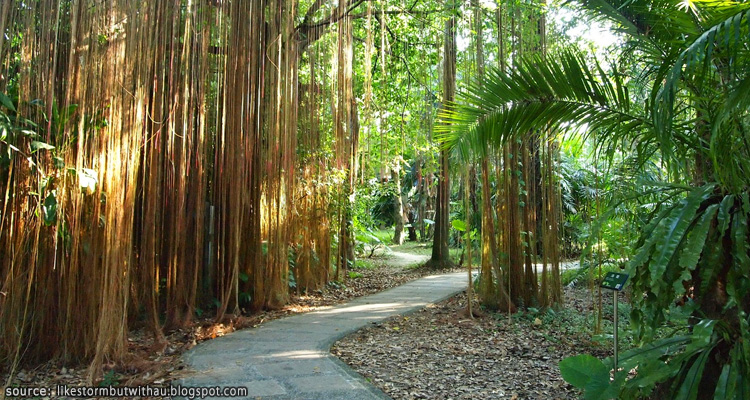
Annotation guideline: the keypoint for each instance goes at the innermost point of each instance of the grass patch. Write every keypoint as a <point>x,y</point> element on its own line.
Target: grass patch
<point>420,248</point>
<point>363,264</point>
<point>414,266</point>
<point>385,235</point>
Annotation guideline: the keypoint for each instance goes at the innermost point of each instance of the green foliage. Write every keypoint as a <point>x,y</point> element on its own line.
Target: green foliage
<point>384,203</point>
<point>554,94</point>
<point>336,284</point>
<point>678,103</point>
<point>13,128</point>
<point>459,225</point>
<point>582,276</point>
<point>680,360</point>
<point>49,209</point>
<point>700,233</point>
<point>244,297</point>
<point>588,373</point>
<point>6,102</point>
<point>363,264</point>
<point>110,378</point>
<point>368,240</point>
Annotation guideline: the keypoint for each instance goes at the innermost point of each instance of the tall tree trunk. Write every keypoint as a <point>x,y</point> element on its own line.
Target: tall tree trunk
<point>530,157</point>
<point>440,256</point>
<point>468,244</point>
<point>398,212</point>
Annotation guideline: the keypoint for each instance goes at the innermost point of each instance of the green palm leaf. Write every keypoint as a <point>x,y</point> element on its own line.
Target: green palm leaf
<point>556,93</point>
<point>728,28</point>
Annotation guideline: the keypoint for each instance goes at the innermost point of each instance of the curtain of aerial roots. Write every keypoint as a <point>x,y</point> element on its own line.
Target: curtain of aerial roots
<point>366,151</point>
<point>313,244</point>
<point>278,151</point>
<point>347,134</point>
<point>528,212</point>
<point>174,127</point>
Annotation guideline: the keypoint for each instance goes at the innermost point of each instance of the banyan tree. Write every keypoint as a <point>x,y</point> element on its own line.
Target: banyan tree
<point>161,158</point>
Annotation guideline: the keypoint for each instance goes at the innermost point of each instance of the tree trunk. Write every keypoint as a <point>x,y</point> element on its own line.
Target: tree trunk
<point>411,217</point>
<point>440,256</point>
<point>398,213</point>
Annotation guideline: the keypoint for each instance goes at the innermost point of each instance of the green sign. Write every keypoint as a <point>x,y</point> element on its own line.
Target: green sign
<point>615,280</point>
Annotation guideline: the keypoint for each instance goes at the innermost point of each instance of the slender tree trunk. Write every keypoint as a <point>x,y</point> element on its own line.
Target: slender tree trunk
<point>440,256</point>
<point>530,156</point>
<point>398,213</point>
<point>469,245</point>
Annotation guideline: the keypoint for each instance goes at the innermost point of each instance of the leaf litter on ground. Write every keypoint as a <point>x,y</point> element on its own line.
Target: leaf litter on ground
<point>442,353</point>
<point>149,362</point>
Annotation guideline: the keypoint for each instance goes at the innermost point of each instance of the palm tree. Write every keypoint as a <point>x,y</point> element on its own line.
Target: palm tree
<point>679,95</point>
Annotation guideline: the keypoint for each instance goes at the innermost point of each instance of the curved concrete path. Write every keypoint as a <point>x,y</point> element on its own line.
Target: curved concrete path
<point>290,358</point>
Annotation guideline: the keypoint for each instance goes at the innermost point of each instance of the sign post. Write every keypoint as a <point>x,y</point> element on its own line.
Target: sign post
<point>615,281</point>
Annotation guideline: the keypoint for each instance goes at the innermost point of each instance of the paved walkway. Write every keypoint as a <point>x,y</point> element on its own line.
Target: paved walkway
<point>289,358</point>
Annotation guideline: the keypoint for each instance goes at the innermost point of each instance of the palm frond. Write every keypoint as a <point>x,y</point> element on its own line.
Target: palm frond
<point>541,95</point>
<point>726,32</point>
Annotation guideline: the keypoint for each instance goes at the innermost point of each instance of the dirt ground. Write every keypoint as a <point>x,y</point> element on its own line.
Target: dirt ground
<point>150,364</point>
<point>442,353</point>
<point>438,352</point>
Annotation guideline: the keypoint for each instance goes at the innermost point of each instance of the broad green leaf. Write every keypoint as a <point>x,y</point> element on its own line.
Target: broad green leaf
<point>642,254</point>
<point>49,210</point>
<point>369,234</point>
<point>697,238</point>
<point>702,335</point>
<point>645,250</point>
<point>693,247</point>
<point>6,101</point>
<point>673,230</point>
<point>653,350</point>
<point>724,387</point>
<point>37,145</point>
<point>740,244</point>
<point>581,369</point>
<point>651,371</point>
<point>726,204</point>
<point>709,264</point>
<point>689,388</point>
<point>459,225</point>
<point>600,389</point>
<point>738,386</point>
<point>738,281</point>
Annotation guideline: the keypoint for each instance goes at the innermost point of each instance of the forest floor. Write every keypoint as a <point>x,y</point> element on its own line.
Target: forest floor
<point>149,363</point>
<point>438,352</point>
<point>442,353</point>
